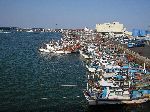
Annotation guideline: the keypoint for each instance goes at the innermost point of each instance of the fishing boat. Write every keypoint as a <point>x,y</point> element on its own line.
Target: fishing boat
<point>112,77</point>
<point>48,48</point>
<point>60,47</point>
<point>115,88</point>
<point>117,81</point>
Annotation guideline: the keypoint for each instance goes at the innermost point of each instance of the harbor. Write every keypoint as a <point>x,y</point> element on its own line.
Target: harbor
<point>54,81</point>
<point>116,75</point>
<point>75,56</point>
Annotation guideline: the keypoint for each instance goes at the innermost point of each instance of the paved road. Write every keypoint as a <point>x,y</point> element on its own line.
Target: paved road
<point>143,51</point>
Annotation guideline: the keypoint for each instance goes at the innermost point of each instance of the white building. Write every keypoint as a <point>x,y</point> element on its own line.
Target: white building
<point>114,28</point>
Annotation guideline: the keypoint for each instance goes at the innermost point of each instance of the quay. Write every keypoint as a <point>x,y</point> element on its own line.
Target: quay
<point>143,51</point>
<point>138,58</point>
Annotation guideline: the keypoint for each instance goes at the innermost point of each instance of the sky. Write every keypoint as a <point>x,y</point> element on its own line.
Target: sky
<point>74,13</point>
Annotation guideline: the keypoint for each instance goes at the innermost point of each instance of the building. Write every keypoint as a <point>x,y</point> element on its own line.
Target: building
<point>115,29</point>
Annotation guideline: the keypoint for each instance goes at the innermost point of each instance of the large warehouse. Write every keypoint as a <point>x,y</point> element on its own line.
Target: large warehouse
<point>114,28</point>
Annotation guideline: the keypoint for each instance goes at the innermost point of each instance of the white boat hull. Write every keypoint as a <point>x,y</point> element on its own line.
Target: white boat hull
<point>90,69</point>
<point>44,50</point>
<point>63,52</point>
